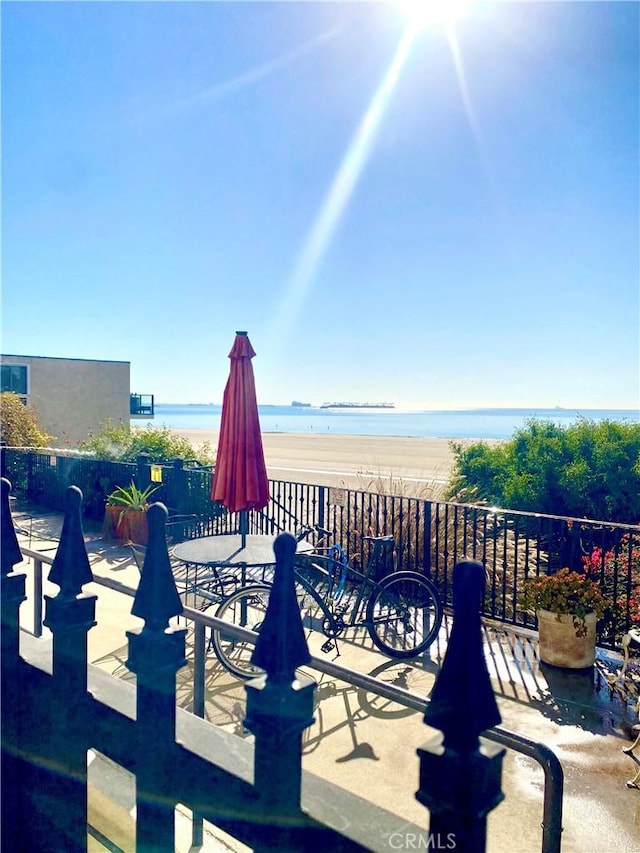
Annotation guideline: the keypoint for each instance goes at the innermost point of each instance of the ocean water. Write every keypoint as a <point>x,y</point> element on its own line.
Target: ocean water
<point>471,423</point>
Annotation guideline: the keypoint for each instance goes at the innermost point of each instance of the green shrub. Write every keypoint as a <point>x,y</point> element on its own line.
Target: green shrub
<point>584,470</point>
<point>19,425</point>
<point>123,444</point>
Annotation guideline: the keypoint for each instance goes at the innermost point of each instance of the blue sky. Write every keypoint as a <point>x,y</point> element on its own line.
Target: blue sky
<point>442,219</point>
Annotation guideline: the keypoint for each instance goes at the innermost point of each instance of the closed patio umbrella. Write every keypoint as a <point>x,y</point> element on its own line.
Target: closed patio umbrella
<point>240,477</point>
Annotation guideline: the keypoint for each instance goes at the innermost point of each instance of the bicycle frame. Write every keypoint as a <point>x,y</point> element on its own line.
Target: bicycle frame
<point>401,611</point>
<point>367,586</point>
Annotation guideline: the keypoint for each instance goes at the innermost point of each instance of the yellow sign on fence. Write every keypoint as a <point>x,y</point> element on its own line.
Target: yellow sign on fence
<point>156,474</point>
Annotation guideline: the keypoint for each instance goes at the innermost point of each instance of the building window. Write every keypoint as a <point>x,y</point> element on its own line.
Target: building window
<point>14,378</point>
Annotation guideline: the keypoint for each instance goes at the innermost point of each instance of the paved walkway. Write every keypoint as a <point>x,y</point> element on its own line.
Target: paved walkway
<point>367,744</point>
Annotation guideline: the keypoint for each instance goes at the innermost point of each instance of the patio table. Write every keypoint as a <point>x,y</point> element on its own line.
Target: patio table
<point>228,550</point>
<point>222,563</point>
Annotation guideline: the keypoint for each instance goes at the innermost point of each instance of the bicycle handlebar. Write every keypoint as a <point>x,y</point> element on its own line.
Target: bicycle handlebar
<point>324,533</point>
<point>384,539</point>
<point>312,528</point>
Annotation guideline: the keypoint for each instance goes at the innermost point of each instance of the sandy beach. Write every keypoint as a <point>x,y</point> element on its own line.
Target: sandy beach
<point>351,460</point>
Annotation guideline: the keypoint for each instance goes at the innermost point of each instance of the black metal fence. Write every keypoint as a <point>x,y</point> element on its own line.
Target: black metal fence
<point>43,477</point>
<point>50,719</point>
<point>430,536</point>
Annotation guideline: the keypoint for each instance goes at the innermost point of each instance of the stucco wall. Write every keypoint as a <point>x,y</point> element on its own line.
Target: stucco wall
<point>74,397</point>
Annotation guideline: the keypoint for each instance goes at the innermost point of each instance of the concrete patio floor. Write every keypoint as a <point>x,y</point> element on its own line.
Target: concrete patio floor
<point>367,745</point>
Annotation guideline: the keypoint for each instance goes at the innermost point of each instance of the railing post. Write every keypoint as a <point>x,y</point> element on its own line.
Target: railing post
<point>178,486</point>
<point>12,590</point>
<point>426,538</point>
<point>460,772</point>
<point>62,787</point>
<point>280,703</point>
<point>37,597</point>
<point>156,653</point>
<point>30,459</point>
<point>71,613</point>
<point>143,471</point>
<point>13,586</point>
<point>321,506</point>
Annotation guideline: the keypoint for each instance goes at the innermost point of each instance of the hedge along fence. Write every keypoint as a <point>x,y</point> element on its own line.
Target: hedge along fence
<point>430,536</point>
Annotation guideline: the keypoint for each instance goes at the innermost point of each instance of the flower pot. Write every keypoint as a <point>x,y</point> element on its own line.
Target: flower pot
<point>563,644</point>
<point>114,526</point>
<point>136,524</point>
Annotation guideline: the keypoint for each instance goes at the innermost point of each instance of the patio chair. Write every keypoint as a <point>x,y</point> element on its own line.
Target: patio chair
<point>181,526</point>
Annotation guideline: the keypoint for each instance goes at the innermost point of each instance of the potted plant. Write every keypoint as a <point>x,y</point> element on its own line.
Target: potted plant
<point>125,513</point>
<point>567,605</point>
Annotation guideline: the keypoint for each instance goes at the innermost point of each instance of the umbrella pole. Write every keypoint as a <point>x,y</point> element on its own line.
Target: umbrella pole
<point>244,523</point>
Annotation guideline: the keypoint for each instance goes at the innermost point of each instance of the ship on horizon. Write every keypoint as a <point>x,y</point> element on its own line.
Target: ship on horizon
<point>358,406</point>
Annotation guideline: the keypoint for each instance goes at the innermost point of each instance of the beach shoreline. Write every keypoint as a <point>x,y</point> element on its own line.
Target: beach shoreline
<point>353,461</point>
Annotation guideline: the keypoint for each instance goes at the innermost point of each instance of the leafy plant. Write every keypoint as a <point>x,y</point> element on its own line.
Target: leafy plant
<point>565,593</point>
<point>123,444</point>
<point>618,569</point>
<point>19,425</point>
<point>131,497</point>
<point>584,470</point>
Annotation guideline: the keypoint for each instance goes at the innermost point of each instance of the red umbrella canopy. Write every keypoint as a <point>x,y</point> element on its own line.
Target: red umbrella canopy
<point>240,477</point>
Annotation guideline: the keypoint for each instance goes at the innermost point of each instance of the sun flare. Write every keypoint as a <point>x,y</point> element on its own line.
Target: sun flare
<point>419,16</point>
<point>422,14</point>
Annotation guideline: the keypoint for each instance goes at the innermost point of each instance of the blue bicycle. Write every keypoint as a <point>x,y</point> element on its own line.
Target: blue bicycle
<point>402,612</point>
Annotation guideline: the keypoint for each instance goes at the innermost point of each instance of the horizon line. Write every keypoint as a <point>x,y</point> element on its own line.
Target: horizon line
<point>404,409</point>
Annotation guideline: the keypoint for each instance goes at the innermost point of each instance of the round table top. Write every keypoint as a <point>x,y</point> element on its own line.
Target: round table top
<point>228,549</point>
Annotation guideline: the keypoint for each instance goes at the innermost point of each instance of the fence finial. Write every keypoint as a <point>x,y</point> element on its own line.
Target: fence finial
<point>10,553</point>
<point>461,774</point>
<point>280,703</point>
<point>462,702</point>
<point>70,569</point>
<point>282,646</point>
<point>157,598</point>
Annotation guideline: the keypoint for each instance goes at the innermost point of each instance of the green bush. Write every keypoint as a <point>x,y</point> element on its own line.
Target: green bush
<point>585,470</point>
<point>123,444</point>
<point>19,425</point>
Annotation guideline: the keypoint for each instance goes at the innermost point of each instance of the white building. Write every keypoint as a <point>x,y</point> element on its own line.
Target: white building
<point>74,397</point>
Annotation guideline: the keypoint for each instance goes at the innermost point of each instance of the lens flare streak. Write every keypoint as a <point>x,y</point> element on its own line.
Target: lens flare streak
<point>341,190</point>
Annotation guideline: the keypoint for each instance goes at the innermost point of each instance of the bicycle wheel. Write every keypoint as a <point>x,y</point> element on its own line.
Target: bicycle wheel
<point>246,608</point>
<point>404,614</point>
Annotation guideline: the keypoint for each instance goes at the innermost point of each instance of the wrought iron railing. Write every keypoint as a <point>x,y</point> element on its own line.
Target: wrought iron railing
<point>430,536</point>
<point>51,718</point>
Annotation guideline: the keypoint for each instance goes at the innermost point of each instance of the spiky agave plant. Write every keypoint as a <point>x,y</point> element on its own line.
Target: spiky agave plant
<point>131,497</point>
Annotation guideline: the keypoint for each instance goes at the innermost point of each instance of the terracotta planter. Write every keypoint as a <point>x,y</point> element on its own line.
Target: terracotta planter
<point>125,525</point>
<point>136,524</point>
<point>558,643</point>
<point>114,527</point>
